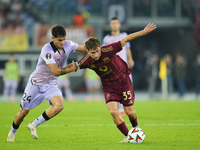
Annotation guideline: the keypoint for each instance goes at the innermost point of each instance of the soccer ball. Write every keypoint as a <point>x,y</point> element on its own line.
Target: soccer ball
<point>136,135</point>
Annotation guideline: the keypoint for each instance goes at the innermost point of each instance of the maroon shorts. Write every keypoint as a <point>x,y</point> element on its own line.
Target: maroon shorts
<point>121,92</point>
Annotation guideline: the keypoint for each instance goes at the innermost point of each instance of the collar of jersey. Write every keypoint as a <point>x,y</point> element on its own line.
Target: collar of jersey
<point>54,47</point>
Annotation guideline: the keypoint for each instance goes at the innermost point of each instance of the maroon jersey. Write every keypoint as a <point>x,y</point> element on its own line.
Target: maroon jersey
<point>114,74</point>
<point>110,67</point>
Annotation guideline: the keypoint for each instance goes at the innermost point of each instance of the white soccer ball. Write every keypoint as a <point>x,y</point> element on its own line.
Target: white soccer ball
<point>136,135</point>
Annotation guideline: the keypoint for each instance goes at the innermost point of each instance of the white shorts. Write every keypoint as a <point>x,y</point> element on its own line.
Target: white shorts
<point>93,83</point>
<point>35,94</point>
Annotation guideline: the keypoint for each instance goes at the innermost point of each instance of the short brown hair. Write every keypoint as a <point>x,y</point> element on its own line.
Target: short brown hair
<point>92,43</point>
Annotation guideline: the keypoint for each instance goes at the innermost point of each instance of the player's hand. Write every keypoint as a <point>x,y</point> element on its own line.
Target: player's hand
<point>75,67</point>
<point>149,28</point>
<point>70,65</point>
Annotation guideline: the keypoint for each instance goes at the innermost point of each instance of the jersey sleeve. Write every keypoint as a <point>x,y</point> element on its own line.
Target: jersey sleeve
<point>84,62</point>
<point>112,49</point>
<point>72,45</point>
<point>47,55</point>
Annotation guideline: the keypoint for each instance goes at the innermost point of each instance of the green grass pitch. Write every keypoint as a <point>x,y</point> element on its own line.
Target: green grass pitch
<point>168,125</point>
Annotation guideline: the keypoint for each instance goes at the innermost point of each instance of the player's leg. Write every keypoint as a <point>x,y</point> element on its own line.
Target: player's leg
<point>118,120</point>
<point>27,103</point>
<point>128,101</point>
<point>113,108</point>
<point>57,102</point>
<point>130,111</point>
<point>58,105</point>
<point>54,97</point>
<point>16,123</point>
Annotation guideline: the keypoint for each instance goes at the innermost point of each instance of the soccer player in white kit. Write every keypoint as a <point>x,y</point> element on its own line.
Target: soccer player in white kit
<point>125,53</point>
<point>42,82</point>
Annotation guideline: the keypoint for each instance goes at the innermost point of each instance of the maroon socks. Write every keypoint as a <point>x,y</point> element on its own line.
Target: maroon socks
<point>123,128</point>
<point>133,122</point>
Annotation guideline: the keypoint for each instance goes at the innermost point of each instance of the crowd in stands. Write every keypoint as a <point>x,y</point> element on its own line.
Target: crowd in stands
<point>147,67</point>
<point>10,13</point>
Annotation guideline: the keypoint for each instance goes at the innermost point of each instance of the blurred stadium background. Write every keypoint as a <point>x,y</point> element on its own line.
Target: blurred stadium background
<point>25,24</point>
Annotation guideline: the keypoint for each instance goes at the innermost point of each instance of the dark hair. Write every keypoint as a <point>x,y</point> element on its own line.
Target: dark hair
<point>114,18</point>
<point>58,31</point>
<point>92,43</point>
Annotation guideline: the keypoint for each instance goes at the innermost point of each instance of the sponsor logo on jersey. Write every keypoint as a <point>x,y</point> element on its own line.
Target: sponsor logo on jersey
<point>103,68</point>
<point>92,66</point>
<point>72,43</point>
<point>130,102</point>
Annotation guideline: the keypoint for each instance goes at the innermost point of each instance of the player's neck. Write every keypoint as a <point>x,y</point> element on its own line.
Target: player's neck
<point>115,32</point>
<point>61,51</point>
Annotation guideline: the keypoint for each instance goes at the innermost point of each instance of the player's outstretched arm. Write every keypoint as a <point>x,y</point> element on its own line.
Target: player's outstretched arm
<point>60,71</point>
<point>81,48</point>
<point>149,28</point>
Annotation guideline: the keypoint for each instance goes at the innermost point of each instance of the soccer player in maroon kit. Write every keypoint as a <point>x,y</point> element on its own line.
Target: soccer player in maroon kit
<point>114,74</point>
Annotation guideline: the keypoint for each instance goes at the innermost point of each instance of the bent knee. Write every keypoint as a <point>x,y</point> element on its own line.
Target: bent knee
<point>24,112</point>
<point>131,112</point>
<point>59,108</point>
<point>114,112</point>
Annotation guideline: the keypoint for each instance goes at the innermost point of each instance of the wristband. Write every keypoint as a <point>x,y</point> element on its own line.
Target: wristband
<point>77,64</point>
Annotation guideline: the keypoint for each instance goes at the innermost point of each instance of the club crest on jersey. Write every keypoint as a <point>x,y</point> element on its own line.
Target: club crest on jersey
<point>106,60</point>
<point>48,56</point>
<point>108,96</point>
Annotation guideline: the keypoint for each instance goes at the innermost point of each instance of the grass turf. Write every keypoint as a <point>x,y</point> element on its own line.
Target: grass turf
<point>167,125</point>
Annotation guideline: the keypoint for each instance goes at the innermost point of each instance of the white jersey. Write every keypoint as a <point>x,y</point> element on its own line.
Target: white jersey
<point>108,39</point>
<point>42,75</point>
